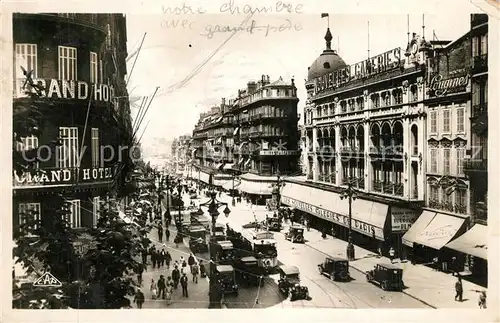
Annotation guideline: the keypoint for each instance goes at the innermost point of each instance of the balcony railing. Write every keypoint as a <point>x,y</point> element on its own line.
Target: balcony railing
<point>388,188</point>
<point>480,64</point>
<point>448,206</point>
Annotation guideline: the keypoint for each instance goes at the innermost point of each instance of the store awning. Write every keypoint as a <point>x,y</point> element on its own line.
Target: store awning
<point>440,231</point>
<point>368,218</point>
<point>236,131</point>
<point>473,242</point>
<point>257,188</point>
<point>418,226</point>
<point>228,166</point>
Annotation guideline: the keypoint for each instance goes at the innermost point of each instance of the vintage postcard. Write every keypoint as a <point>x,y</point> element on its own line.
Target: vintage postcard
<point>272,155</point>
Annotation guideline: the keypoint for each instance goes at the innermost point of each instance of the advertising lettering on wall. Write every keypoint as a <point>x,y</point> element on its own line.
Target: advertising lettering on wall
<point>64,176</point>
<point>439,86</point>
<point>375,65</point>
<point>402,219</point>
<point>340,219</point>
<point>278,152</point>
<point>70,89</point>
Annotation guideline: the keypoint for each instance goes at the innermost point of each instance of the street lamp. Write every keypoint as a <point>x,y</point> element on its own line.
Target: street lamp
<point>179,191</point>
<point>213,210</point>
<point>233,202</point>
<point>349,193</point>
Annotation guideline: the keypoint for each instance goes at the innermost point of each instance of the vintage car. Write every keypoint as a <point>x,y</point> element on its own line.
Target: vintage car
<point>248,271</point>
<point>273,224</point>
<point>219,227</point>
<point>197,239</point>
<point>289,277</point>
<point>335,268</point>
<point>295,233</point>
<point>218,236</point>
<point>224,252</point>
<point>225,277</point>
<point>388,276</point>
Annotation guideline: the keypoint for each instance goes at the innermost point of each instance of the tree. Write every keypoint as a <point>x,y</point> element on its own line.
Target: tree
<point>114,261</point>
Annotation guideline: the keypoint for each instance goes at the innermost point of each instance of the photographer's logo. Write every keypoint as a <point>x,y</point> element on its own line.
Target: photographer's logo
<point>47,280</point>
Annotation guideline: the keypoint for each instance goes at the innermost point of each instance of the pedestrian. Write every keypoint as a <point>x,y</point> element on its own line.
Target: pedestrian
<point>323,234</point>
<point>392,254</point>
<point>191,261</point>
<point>184,285</point>
<point>167,234</point>
<point>194,271</point>
<point>168,259</point>
<point>169,290</point>
<point>139,298</point>
<point>181,260</point>
<point>160,233</point>
<point>140,270</point>
<point>154,259</point>
<point>144,254</point>
<point>482,300</point>
<point>176,276</point>
<point>459,289</point>
<point>153,289</point>
<point>162,257</point>
<point>203,273</point>
<point>379,250</point>
<point>161,287</point>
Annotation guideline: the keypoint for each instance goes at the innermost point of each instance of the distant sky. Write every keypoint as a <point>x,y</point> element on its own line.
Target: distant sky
<point>169,55</point>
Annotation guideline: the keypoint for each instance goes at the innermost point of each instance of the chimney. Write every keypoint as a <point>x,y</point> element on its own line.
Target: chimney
<point>251,86</point>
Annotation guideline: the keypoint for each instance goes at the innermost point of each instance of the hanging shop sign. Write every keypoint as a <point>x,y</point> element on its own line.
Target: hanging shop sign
<point>370,67</point>
<point>402,219</point>
<point>337,218</point>
<point>71,89</point>
<point>439,87</point>
<point>64,176</point>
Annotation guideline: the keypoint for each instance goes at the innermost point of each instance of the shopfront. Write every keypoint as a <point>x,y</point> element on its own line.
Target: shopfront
<point>325,209</point>
<point>256,188</point>
<point>428,236</point>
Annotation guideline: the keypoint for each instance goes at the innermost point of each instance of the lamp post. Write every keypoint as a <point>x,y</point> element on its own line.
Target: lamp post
<point>349,193</point>
<point>233,202</point>
<point>179,191</point>
<point>213,205</point>
<point>167,182</point>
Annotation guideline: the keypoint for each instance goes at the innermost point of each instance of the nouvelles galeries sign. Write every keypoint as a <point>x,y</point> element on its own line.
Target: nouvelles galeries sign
<point>64,176</point>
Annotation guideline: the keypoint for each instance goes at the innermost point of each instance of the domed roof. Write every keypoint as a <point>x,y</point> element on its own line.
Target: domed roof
<point>327,62</point>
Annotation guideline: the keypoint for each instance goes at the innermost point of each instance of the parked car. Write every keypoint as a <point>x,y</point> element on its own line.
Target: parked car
<point>389,277</point>
<point>335,268</point>
<point>197,239</point>
<point>225,277</point>
<point>274,224</point>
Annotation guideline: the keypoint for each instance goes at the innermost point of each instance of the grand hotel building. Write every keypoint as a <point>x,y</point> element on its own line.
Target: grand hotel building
<point>379,126</point>
<point>80,60</point>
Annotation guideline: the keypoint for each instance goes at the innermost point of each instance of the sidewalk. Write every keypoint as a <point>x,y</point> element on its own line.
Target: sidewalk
<point>434,288</point>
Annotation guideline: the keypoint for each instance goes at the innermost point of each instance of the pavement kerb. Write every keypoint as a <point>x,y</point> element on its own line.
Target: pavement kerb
<point>364,272</point>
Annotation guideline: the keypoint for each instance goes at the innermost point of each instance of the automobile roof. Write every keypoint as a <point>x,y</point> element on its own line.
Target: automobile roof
<point>288,270</point>
<point>225,268</point>
<point>389,266</point>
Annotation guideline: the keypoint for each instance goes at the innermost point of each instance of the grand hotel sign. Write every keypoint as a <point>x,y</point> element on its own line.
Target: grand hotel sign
<point>372,66</point>
<point>69,89</point>
<point>65,176</point>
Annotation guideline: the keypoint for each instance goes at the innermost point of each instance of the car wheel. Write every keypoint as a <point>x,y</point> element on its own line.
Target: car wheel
<point>384,285</point>
<point>343,275</point>
<point>332,275</point>
<point>368,278</point>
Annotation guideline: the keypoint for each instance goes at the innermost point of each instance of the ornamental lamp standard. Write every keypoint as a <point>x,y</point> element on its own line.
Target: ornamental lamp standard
<point>213,210</point>
<point>349,193</point>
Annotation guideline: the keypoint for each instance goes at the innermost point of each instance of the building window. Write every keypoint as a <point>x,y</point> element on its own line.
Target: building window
<point>75,220</point>
<point>484,44</point>
<point>387,99</point>
<point>67,63</point>
<point>93,67</point>
<point>460,201</point>
<point>31,211</point>
<point>433,159</point>
<point>95,147</point>
<point>68,151</point>
<point>26,144</point>
<point>376,100</point>
<point>398,96</point>
<point>96,207</point>
<point>26,58</point>
<point>460,120</point>
<point>475,46</point>
<point>414,93</point>
<point>434,193</point>
<point>460,161</point>
<point>446,161</point>
<point>433,120</point>
<point>446,121</point>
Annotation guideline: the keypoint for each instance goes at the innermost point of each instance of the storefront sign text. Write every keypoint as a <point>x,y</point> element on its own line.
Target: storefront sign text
<point>64,176</point>
<point>375,65</point>
<point>402,219</point>
<point>278,152</point>
<point>76,90</point>
<point>440,87</point>
<point>446,231</point>
<point>340,219</point>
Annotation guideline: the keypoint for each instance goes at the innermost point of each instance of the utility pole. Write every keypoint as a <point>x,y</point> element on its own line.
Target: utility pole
<point>349,193</point>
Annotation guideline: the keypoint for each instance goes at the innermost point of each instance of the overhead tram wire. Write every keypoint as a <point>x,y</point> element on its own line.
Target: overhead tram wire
<point>147,124</point>
<point>144,98</point>
<point>145,112</point>
<point>142,114</point>
<point>135,60</point>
